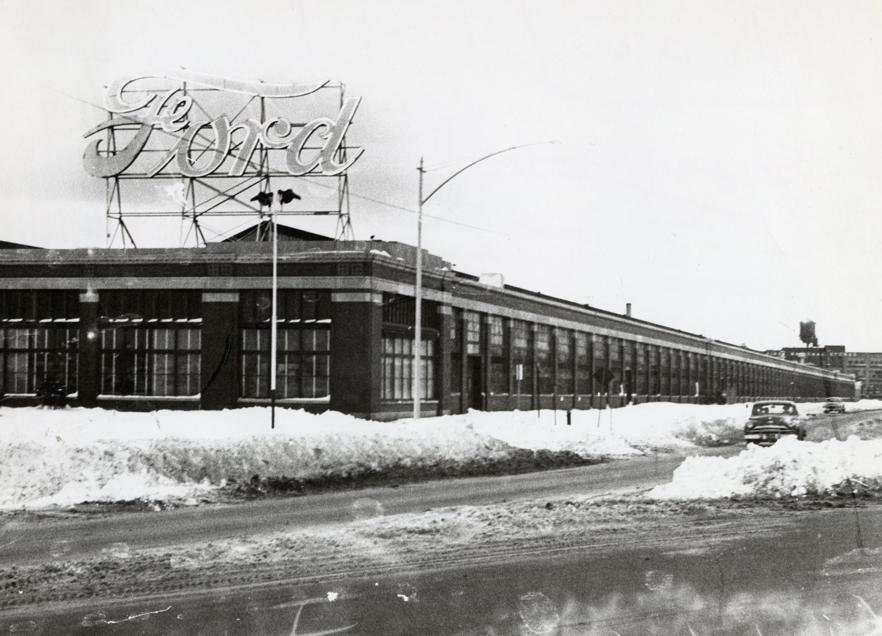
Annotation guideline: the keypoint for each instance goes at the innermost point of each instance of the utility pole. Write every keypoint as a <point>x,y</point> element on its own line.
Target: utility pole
<point>418,318</point>
<point>273,320</point>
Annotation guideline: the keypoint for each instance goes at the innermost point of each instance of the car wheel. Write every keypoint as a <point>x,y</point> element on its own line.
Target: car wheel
<point>800,435</point>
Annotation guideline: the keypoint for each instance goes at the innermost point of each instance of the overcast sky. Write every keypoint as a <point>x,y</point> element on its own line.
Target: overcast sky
<point>718,163</point>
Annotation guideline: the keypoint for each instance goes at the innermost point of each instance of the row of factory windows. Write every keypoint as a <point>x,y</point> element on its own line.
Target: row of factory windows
<point>162,361</point>
<point>166,361</point>
<point>524,357</point>
<point>150,344</point>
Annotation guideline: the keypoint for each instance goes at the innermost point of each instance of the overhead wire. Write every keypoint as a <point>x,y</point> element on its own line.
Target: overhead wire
<point>402,208</point>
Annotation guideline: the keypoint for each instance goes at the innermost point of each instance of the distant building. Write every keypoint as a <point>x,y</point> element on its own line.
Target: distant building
<point>827,357</point>
<point>867,368</point>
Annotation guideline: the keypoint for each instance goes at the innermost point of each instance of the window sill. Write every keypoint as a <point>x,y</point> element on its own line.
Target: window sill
<point>153,398</point>
<point>318,400</point>
<point>69,396</point>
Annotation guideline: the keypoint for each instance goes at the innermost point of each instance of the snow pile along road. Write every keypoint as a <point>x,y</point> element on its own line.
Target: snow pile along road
<point>62,457</point>
<point>789,468</point>
<point>667,425</point>
<point>65,457</point>
<point>624,431</point>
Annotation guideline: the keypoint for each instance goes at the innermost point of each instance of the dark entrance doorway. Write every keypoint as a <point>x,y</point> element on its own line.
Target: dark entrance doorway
<point>475,398</point>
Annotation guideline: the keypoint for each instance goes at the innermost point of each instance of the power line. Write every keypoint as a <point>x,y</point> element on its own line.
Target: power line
<point>410,210</point>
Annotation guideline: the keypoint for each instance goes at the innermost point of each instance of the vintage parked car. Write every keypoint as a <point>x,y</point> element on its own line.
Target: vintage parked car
<point>834,405</point>
<point>771,420</point>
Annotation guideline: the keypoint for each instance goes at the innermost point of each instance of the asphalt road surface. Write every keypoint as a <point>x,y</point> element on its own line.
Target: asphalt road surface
<point>33,535</point>
<point>815,574</point>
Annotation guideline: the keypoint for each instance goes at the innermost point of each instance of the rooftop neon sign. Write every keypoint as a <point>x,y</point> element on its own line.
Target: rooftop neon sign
<point>189,142</point>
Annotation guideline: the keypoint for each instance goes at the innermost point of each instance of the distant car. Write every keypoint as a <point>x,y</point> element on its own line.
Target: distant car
<point>834,405</point>
<point>771,420</point>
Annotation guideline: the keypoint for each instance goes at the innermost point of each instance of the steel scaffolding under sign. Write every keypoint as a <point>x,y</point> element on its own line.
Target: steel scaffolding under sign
<point>193,146</point>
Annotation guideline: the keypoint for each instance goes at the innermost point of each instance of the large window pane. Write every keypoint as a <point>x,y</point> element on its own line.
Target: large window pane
<point>599,344</point>
<point>39,357</point>
<point>640,381</point>
<point>302,362</point>
<point>583,364</point>
<point>665,371</point>
<point>654,371</point>
<point>675,373</point>
<point>564,361</point>
<point>615,364</point>
<point>544,360</point>
<point>472,332</point>
<point>522,350</point>
<point>498,348</point>
<point>397,369</point>
<point>142,360</point>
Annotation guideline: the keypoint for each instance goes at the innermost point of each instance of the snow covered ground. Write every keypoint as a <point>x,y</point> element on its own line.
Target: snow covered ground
<point>64,457</point>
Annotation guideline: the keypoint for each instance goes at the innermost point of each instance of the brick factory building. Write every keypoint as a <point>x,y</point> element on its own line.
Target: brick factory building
<point>189,328</point>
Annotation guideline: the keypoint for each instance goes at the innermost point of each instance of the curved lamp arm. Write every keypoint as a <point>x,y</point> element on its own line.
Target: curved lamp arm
<point>466,167</point>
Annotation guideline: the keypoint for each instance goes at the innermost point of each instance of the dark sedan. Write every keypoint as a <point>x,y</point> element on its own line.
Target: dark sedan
<point>834,405</point>
<point>771,420</point>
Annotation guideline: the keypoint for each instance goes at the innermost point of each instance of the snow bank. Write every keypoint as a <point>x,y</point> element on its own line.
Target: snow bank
<point>667,425</point>
<point>863,405</point>
<point>64,457</point>
<point>789,468</point>
<point>61,457</point>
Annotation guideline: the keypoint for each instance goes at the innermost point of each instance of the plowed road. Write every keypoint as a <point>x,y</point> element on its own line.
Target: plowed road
<point>85,536</point>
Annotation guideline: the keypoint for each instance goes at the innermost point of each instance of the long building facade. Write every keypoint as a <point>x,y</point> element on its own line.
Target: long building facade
<point>190,328</point>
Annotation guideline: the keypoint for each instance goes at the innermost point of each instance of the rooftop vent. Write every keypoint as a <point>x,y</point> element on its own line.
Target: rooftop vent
<point>492,280</point>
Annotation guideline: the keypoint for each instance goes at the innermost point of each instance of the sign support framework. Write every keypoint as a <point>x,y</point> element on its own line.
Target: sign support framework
<point>212,166</point>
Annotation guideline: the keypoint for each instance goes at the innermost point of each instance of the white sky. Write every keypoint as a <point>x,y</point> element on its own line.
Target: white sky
<point>718,162</point>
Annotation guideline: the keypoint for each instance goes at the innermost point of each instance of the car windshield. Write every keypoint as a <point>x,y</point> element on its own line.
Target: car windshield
<point>774,409</point>
<point>834,399</point>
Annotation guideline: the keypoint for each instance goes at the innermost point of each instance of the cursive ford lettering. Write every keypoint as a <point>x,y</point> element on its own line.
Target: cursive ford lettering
<point>170,113</point>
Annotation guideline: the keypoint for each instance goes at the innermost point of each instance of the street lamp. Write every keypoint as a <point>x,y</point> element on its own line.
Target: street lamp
<point>418,318</point>
<point>266,199</point>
